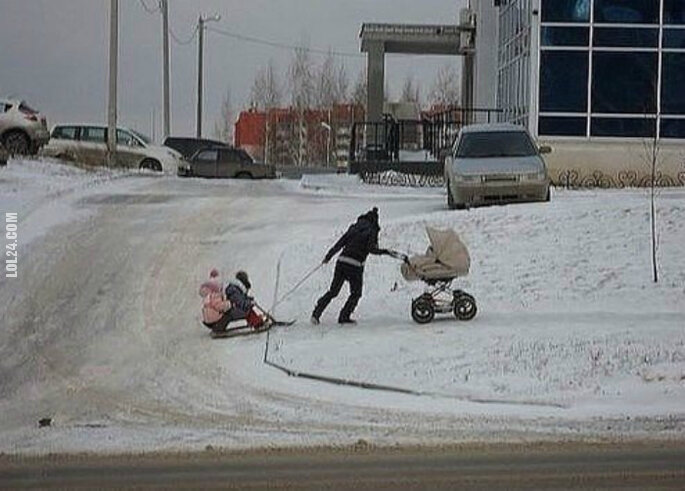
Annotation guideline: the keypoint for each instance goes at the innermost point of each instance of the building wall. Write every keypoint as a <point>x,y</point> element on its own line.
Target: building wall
<point>606,82</point>
<point>514,61</point>
<point>612,68</point>
<point>616,163</point>
<point>485,70</point>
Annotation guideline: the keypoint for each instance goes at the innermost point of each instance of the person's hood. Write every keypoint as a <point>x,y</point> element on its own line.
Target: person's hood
<point>370,217</point>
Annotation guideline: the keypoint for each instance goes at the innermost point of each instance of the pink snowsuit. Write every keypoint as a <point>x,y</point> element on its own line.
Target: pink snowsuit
<point>214,303</point>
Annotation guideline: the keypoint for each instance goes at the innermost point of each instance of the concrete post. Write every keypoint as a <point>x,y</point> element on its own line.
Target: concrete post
<point>375,81</point>
<point>113,73</point>
<point>165,62</point>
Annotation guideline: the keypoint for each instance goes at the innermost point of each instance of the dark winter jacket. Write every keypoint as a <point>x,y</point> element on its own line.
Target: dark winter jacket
<point>240,301</point>
<point>360,240</point>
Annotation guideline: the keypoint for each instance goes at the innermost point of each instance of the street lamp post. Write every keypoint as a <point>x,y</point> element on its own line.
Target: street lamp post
<point>200,48</point>
<point>113,71</point>
<point>328,128</point>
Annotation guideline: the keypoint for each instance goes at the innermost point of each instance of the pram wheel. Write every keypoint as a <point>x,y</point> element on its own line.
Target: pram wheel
<point>464,306</point>
<point>422,310</point>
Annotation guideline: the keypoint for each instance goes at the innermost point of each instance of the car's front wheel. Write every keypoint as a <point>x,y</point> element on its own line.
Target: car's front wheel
<point>17,143</point>
<point>151,164</point>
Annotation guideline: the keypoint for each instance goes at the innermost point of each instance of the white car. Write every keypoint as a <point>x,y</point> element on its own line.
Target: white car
<point>495,164</point>
<point>23,130</point>
<point>87,145</point>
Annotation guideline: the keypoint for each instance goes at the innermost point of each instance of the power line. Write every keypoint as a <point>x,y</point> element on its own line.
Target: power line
<point>274,44</point>
<point>149,10</point>
<point>177,40</point>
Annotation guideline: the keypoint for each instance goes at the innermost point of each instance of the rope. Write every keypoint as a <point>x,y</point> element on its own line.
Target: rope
<point>297,285</point>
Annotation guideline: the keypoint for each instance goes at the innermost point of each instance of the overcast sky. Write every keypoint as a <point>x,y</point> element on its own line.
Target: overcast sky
<point>53,53</point>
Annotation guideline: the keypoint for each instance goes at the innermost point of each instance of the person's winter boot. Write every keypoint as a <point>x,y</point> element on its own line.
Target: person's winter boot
<point>346,320</point>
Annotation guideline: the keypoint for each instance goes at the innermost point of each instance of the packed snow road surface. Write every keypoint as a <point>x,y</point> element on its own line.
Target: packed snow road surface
<point>101,334</point>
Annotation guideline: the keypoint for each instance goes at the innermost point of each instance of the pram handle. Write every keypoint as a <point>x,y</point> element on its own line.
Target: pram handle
<point>397,255</point>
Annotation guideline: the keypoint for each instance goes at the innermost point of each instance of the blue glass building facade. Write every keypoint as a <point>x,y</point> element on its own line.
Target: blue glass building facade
<point>593,68</point>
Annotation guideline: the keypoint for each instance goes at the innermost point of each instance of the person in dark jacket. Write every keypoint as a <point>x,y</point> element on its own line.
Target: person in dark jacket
<point>242,304</point>
<point>360,240</point>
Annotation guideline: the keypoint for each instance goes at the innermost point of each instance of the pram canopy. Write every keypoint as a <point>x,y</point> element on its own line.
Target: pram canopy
<point>446,258</point>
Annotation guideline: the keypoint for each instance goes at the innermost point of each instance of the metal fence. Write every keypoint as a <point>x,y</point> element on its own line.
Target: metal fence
<point>409,152</point>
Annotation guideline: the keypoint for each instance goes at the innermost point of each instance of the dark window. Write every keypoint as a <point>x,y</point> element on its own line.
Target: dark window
<point>622,127</point>
<point>207,156</point>
<point>636,37</point>
<point>495,144</point>
<point>229,155</point>
<point>26,109</point>
<point>125,138</point>
<point>562,126</point>
<point>563,81</point>
<point>627,11</point>
<point>245,157</point>
<point>672,84</point>
<point>624,82</point>
<point>674,38</point>
<point>674,12</point>
<point>673,128</point>
<point>565,10</point>
<point>64,133</point>
<point>565,36</point>
<point>92,134</point>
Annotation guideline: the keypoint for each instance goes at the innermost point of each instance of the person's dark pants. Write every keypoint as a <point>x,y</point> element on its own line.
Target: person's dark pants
<point>354,275</point>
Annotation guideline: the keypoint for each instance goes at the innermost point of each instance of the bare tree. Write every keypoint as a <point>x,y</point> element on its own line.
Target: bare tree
<point>325,94</point>
<point>342,83</point>
<point>223,126</point>
<point>266,89</point>
<point>445,89</point>
<point>265,95</point>
<point>652,149</point>
<point>301,84</point>
<point>359,90</point>
<point>410,90</point>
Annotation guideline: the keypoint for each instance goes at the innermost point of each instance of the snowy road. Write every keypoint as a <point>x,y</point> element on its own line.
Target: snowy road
<point>100,332</point>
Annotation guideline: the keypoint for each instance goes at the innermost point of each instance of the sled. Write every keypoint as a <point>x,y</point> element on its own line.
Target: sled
<point>245,330</point>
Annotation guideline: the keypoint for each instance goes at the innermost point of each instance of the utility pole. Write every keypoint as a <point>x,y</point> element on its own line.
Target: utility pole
<point>112,98</point>
<point>200,48</point>
<point>164,6</point>
<point>201,33</point>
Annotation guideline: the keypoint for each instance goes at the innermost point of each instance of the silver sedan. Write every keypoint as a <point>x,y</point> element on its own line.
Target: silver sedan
<point>495,164</point>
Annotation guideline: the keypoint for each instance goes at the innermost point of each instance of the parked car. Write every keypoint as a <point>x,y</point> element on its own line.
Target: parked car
<point>23,130</point>
<point>189,146</point>
<point>87,144</point>
<point>225,162</point>
<point>3,156</point>
<point>495,163</point>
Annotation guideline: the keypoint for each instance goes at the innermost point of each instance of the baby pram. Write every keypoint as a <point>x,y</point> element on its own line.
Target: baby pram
<point>445,259</point>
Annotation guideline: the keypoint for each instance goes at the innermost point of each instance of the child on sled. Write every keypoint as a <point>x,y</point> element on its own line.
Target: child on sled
<point>221,306</point>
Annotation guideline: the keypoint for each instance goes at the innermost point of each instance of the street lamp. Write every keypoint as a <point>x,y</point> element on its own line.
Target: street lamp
<point>201,29</point>
<point>328,128</point>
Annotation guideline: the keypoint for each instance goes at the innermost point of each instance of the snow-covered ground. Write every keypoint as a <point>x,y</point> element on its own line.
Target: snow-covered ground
<point>572,338</point>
